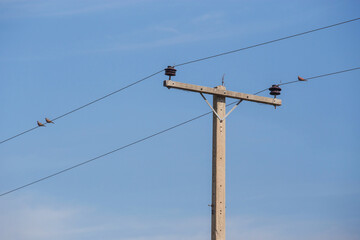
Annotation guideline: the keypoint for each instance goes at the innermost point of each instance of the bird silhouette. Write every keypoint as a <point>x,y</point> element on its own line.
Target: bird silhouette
<point>49,121</point>
<point>301,79</point>
<point>40,124</point>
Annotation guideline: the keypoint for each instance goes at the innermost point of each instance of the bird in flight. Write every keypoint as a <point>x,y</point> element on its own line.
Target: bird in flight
<point>49,121</point>
<point>40,124</point>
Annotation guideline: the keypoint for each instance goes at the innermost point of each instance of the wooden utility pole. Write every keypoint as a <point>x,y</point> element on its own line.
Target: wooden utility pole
<point>218,169</point>
<point>218,156</point>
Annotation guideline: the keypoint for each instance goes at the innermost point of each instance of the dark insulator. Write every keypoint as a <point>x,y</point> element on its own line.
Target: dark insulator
<point>275,90</point>
<point>170,71</point>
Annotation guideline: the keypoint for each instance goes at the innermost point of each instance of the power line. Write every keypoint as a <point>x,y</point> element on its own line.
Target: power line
<point>19,134</point>
<point>181,64</point>
<point>86,105</point>
<point>268,42</point>
<point>323,75</point>
<point>108,95</point>
<point>151,136</point>
<point>314,77</point>
<point>103,155</point>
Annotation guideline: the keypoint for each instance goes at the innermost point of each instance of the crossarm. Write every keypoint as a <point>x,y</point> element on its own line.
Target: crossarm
<point>220,92</point>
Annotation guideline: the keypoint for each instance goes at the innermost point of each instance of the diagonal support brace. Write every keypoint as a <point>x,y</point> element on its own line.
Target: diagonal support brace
<point>217,115</point>
<point>237,104</point>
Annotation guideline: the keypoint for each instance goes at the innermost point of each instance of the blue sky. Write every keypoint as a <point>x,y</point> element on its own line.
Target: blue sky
<point>292,173</point>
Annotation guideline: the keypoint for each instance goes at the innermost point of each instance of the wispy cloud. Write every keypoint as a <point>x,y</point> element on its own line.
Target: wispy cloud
<point>28,220</point>
<point>169,36</point>
<point>32,218</point>
<point>48,8</point>
<point>209,17</point>
<point>179,39</point>
<point>164,29</point>
<point>160,36</point>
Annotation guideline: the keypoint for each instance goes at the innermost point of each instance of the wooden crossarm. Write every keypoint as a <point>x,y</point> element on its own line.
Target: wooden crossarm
<point>222,92</point>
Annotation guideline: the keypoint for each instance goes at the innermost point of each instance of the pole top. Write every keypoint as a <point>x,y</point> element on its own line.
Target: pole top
<point>221,87</point>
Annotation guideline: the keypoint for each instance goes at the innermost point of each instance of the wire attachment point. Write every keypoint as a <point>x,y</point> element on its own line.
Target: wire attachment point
<point>170,71</point>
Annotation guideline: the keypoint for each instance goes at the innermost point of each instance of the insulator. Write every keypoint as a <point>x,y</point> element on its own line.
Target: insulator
<point>170,71</point>
<point>275,90</point>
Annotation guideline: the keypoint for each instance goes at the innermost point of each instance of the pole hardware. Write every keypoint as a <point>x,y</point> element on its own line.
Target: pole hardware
<point>275,90</point>
<point>220,91</point>
<point>216,114</point>
<point>170,71</point>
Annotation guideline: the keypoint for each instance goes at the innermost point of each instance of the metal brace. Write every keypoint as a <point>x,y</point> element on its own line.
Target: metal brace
<point>221,119</point>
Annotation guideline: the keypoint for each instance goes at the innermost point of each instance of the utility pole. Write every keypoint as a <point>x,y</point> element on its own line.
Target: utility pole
<point>218,153</point>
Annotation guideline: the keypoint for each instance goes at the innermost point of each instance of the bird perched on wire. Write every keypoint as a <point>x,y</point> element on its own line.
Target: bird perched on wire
<point>49,121</point>
<point>301,79</point>
<point>40,124</point>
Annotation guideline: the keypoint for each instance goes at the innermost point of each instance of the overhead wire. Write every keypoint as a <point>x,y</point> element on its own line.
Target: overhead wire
<point>268,42</point>
<point>181,64</point>
<point>309,78</point>
<point>103,155</point>
<point>19,134</point>
<point>153,135</point>
<point>323,75</point>
<point>86,105</point>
